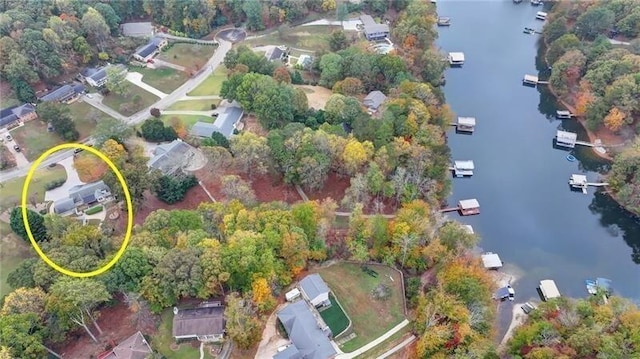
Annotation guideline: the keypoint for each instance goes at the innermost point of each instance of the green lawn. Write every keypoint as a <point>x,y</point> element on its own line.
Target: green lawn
<point>397,338</point>
<point>85,117</point>
<point>12,251</point>
<point>187,120</point>
<point>8,99</point>
<point>193,105</point>
<point>191,56</point>
<point>212,84</point>
<point>162,340</point>
<point>315,38</point>
<point>126,104</point>
<point>335,317</point>
<point>12,190</point>
<point>164,79</point>
<point>370,318</point>
<point>34,138</point>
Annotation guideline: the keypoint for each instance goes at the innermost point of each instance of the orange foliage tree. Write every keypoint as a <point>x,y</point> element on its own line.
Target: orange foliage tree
<point>584,97</point>
<point>281,74</point>
<point>178,126</point>
<point>90,168</point>
<point>262,296</point>
<point>615,119</point>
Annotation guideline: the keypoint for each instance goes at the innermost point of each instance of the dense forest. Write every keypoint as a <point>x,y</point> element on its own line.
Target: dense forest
<point>600,79</point>
<point>585,328</point>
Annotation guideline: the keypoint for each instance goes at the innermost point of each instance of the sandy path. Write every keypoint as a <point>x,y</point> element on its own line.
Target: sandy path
<point>518,317</point>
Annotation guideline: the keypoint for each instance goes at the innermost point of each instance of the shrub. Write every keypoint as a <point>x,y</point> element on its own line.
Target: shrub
<point>213,106</point>
<point>94,210</point>
<point>155,112</point>
<point>54,184</point>
<point>171,189</point>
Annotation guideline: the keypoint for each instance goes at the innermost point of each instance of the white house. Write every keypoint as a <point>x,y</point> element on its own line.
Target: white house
<point>315,290</point>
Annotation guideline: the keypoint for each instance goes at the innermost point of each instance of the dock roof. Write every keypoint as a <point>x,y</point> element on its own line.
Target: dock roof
<point>464,165</point>
<point>578,178</point>
<point>549,289</point>
<point>469,203</point>
<point>565,136</point>
<point>491,260</point>
<point>467,121</point>
<point>563,113</point>
<point>456,56</point>
<point>531,78</point>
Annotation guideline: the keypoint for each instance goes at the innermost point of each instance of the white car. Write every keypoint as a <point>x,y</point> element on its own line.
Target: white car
<point>89,95</point>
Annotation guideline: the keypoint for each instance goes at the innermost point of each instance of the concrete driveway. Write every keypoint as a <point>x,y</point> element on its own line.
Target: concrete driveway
<point>21,160</point>
<point>136,79</point>
<point>161,63</point>
<point>72,180</point>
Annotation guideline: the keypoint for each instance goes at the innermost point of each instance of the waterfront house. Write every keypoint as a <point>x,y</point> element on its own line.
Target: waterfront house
<point>308,333</point>
<point>466,124</point>
<point>152,48</point>
<point>373,31</point>
<point>134,347</point>
<point>463,168</point>
<point>205,323</point>
<point>548,289</point>
<point>315,290</point>
<point>456,58</point>
<point>469,207</point>
<point>374,100</point>
<point>566,139</point>
<point>12,116</point>
<point>491,260</point>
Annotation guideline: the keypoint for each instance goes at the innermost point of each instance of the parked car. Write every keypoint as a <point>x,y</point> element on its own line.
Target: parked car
<point>9,137</point>
<point>16,147</point>
<point>89,95</point>
<point>527,307</point>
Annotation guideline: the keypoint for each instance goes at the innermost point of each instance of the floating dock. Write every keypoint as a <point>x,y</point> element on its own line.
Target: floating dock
<point>580,182</point>
<point>463,168</point>
<point>491,260</point>
<point>541,15</point>
<point>456,58</point>
<point>466,124</point>
<point>566,139</point>
<point>563,115</point>
<point>533,80</point>
<point>466,207</point>
<point>444,21</point>
<point>548,289</point>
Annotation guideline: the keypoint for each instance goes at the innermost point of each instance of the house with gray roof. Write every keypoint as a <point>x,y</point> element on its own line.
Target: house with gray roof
<point>146,52</point>
<point>171,158</point>
<point>373,30</point>
<point>65,93</point>
<point>309,335</point>
<point>315,290</point>
<point>205,323</point>
<point>374,100</point>
<point>276,53</point>
<point>12,115</point>
<point>83,194</point>
<point>97,77</point>
<point>134,347</point>
<point>225,123</point>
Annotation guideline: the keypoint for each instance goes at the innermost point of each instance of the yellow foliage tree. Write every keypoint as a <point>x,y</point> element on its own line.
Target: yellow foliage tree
<point>24,300</point>
<point>262,296</point>
<point>114,150</point>
<point>356,154</point>
<point>89,167</point>
<point>615,119</point>
<point>328,5</point>
<point>583,98</point>
<point>178,126</point>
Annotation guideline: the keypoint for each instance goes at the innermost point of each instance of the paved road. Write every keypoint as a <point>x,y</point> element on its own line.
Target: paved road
<point>96,101</point>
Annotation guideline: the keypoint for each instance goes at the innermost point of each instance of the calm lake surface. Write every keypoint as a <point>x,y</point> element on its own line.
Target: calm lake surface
<point>540,228</point>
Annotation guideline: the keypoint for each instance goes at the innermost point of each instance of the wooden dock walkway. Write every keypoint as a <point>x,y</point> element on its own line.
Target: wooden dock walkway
<point>583,143</point>
<point>450,209</point>
<point>601,184</point>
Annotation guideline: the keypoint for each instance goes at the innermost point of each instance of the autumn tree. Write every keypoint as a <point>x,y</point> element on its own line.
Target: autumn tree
<point>281,74</point>
<point>614,119</point>
<point>90,167</point>
<point>262,296</point>
<point>251,152</point>
<point>584,98</point>
<point>338,40</point>
<point>234,187</point>
<point>350,86</point>
<point>178,126</point>
<point>111,128</point>
<point>242,325</point>
<point>114,151</point>
<point>356,154</point>
<point>24,300</point>
<point>116,80</point>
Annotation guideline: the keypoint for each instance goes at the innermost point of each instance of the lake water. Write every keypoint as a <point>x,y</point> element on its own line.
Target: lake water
<point>528,213</point>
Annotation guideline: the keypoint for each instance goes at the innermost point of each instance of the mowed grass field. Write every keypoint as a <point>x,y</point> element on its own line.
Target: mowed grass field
<point>34,139</point>
<point>335,317</point>
<point>191,56</point>
<point>126,105</point>
<point>13,250</point>
<point>12,190</point>
<point>193,105</point>
<point>164,79</point>
<point>314,38</point>
<point>187,120</point>
<point>212,84</point>
<point>352,287</point>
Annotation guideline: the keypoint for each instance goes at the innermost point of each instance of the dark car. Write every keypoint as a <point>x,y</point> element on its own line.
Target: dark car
<point>16,147</point>
<point>9,137</point>
<point>527,307</point>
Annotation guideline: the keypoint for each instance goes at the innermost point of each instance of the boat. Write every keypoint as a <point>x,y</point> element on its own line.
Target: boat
<point>592,288</point>
<point>536,2</point>
<point>602,284</point>
<point>529,31</point>
<point>444,21</point>
<point>571,158</point>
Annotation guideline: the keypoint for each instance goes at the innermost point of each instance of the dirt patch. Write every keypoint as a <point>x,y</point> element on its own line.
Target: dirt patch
<point>316,95</point>
<point>334,187</point>
<point>251,124</point>
<point>118,322</point>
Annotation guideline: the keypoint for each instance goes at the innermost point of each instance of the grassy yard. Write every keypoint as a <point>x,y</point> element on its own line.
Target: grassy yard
<point>187,120</point>
<point>34,138</point>
<point>371,318</point>
<point>12,190</point>
<point>13,251</point>
<point>388,344</point>
<point>164,79</point>
<point>212,84</point>
<point>126,104</point>
<point>191,56</point>
<point>85,117</point>
<point>335,317</point>
<point>193,105</point>
<point>315,38</point>
<point>162,340</point>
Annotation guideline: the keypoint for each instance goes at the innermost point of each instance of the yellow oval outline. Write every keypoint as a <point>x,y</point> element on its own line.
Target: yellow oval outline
<point>127,195</point>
